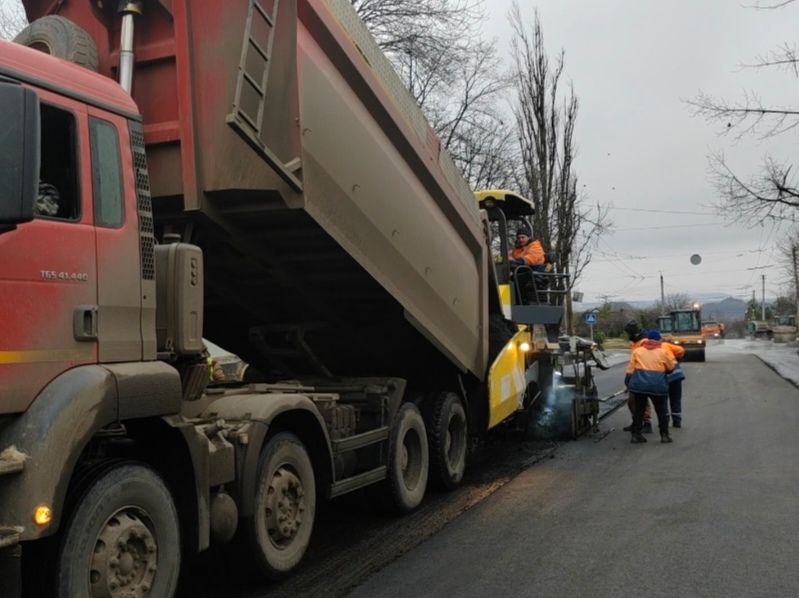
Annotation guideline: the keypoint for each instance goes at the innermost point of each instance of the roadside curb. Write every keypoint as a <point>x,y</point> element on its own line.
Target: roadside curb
<point>774,368</point>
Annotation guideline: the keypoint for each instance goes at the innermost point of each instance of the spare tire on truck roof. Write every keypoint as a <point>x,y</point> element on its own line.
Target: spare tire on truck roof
<point>60,37</point>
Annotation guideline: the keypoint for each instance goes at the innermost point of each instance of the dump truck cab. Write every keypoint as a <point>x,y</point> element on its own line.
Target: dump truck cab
<point>712,330</point>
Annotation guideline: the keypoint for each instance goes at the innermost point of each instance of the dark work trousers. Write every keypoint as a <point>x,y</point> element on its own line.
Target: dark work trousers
<point>647,411</point>
<point>675,399</point>
<point>660,408</point>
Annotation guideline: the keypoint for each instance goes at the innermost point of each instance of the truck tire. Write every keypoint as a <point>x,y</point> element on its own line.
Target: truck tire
<point>408,464</point>
<point>122,538</point>
<point>61,38</point>
<point>447,438</point>
<point>279,532</point>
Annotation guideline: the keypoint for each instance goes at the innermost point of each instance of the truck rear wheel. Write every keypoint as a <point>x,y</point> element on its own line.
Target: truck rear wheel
<point>122,538</point>
<point>60,37</point>
<point>408,464</point>
<point>279,532</point>
<point>447,436</point>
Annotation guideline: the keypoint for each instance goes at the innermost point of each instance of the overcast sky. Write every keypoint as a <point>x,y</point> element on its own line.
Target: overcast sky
<point>632,64</point>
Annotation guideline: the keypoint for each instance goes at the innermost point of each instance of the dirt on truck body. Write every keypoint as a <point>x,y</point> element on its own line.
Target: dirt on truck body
<point>259,178</point>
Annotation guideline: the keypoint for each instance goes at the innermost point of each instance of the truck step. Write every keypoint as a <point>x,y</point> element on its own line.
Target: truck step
<point>359,481</point>
<point>12,461</point>
<point>360,440</point>
<point>9,536</point>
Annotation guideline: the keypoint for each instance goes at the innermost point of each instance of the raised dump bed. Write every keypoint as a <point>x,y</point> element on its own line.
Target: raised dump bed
<point>338,237</point>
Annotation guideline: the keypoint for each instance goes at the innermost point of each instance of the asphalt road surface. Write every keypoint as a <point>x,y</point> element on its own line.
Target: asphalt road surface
<point>716,513</point>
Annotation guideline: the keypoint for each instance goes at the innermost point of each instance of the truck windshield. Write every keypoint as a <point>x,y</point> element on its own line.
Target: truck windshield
<point>686,321</point>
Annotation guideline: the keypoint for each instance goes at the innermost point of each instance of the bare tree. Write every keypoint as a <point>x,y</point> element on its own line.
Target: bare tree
<point>545,126</point>
<point>788,249</point>
<point>673,301</point>
<point>454,75</point>
<point>425,39</point>
<point>470,122</point>
<point>772,194</point>
<point>12,18</point>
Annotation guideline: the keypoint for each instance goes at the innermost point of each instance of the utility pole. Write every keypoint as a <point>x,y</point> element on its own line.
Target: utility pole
<point>662,297</point>
<point>763,305</point>
<point>795,281</point>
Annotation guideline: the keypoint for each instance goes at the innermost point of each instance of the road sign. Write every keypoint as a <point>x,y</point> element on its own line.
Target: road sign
<point>589,317</point>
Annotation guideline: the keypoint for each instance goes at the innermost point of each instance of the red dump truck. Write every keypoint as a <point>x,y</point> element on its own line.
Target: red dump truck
<point>261,179</point>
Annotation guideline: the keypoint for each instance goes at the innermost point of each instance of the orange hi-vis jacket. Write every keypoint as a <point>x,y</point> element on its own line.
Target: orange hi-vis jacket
<point>647,370</point>
<point>532,253</point>
<point>676,350</point>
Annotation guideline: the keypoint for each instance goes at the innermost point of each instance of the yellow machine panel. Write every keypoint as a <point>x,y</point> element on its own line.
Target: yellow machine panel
<point>506,381</point>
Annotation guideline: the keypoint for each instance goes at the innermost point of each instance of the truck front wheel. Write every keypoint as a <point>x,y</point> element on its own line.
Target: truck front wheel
<point>279,532</point>
<point>122,538</point>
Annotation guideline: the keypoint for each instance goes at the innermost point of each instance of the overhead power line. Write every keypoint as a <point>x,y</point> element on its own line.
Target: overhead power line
<point>653,211</point>
<point>667,226</point>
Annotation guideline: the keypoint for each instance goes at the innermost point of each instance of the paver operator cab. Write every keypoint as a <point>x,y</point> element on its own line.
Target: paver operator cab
<point>269,185</point>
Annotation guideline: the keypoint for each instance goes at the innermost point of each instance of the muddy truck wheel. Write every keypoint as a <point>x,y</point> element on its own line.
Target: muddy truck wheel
<point>122,538</point>
<point>408,464</point>
<point>447,437</point>
<point>279,532</point>
<point>61,38</point>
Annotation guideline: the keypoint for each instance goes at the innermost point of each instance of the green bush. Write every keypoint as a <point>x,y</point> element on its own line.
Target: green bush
<point>599,338</point>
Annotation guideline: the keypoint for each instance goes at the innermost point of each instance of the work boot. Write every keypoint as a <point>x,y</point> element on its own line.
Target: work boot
<point>628,428</point>
<point>665,438</point>
<point>676,421</point>
<point>647,429</point>
<point>637,438</point>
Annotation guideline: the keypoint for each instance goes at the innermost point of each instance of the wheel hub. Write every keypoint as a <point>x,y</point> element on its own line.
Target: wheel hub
<point>285,506</point>
<point>125,558</point>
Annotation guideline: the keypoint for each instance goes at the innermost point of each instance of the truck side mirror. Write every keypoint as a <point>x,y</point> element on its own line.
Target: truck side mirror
<point>19,154</point>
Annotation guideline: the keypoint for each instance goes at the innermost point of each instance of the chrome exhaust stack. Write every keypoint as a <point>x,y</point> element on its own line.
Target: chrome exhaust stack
<point>126,59</point>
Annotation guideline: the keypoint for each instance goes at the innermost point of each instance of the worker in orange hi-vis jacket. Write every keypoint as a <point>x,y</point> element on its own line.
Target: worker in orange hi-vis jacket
<point>635,341</point>
<point>527,252</point>
<point>675,379</point>
<point>647,377</point>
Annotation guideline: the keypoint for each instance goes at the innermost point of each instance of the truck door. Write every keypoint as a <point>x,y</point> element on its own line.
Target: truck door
<point>48,278</point>
<point>117,227</point>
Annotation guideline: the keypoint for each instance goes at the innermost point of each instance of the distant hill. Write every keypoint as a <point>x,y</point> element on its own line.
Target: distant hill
<point>615,305</point>
<point>727,310</point>
<point>714,306</point>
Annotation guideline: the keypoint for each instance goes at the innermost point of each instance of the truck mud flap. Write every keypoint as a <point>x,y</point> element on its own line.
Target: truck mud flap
<point>10,570</point>
<point>536,314</point>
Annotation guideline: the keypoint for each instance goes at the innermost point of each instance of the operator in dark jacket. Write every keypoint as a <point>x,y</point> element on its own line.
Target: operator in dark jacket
<point>646,377</point>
